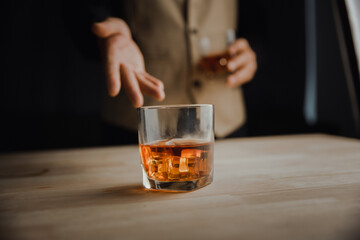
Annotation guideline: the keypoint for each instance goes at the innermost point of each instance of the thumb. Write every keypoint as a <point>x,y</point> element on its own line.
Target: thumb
<point>110,27</point>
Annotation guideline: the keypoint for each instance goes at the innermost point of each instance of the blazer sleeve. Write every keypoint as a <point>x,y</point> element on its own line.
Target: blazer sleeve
<point>252,25</point>
<point>78,16</point>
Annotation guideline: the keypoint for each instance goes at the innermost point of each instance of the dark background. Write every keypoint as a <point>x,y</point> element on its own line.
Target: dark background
<point>51,94</point>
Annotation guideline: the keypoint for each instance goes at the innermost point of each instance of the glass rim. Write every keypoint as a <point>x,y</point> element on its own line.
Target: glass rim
<point>175,106</point>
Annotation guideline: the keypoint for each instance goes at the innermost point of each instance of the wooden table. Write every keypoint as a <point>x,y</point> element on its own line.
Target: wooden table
<point>284,187</point>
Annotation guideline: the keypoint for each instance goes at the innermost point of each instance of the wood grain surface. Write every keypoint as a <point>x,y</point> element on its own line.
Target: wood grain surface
<point>283,187</point>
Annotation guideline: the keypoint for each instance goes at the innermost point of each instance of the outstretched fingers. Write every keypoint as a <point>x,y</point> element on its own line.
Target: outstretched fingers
<point>131,86</point>
<point>113,76</point>
<point>151,85</point>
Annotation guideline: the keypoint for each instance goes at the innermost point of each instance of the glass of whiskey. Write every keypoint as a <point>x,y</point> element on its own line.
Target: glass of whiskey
<point>214,54</point>
<point>176,145</point>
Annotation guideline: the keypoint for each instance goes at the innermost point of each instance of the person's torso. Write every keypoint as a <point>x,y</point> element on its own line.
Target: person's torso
<point>169,32</point>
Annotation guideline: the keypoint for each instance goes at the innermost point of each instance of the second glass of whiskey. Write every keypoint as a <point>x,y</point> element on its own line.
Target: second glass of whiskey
<point>176,144</point>
<point>214,53</point>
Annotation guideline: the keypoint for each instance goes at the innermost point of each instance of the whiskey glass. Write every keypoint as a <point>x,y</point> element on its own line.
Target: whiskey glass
<point>176,145</point>
<point>214,52</point>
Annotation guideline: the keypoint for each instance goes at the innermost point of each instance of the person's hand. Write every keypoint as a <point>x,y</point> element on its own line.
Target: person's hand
<point>124,63</point>
<point>242,64</point>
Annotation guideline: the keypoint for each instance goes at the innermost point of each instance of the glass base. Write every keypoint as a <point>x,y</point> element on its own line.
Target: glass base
<point>179,186</point>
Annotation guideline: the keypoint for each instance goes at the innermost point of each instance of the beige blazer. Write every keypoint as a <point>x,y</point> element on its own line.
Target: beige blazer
<point>168,33</point>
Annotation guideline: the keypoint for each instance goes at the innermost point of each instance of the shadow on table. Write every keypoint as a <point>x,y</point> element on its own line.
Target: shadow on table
<point>133,191</point>
<point>54,198</point>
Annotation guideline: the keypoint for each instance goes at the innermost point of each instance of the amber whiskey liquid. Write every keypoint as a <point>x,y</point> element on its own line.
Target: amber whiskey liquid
<point>214,63</point>
<point>177,160</point>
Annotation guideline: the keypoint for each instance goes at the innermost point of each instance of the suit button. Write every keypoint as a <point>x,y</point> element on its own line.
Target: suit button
<point>193,31</point>
<point>197,83</point>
